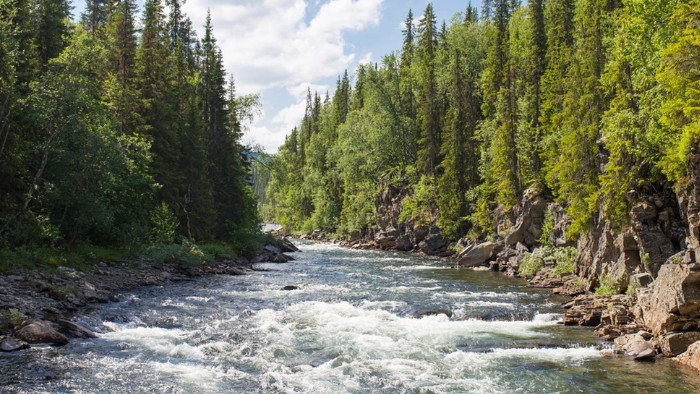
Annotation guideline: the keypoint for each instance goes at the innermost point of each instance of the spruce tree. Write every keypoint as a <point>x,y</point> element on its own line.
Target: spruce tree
<point>428,114</point>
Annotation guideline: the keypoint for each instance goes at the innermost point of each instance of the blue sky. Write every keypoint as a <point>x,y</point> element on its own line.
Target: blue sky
<point>278,48</point>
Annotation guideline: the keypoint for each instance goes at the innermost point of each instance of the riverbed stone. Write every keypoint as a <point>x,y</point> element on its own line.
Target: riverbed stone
<point>76,329</point>
<point>420,313</point>
<point>41,332</point>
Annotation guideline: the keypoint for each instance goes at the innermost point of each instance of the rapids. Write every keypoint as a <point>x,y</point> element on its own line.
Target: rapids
<point>361,321</point>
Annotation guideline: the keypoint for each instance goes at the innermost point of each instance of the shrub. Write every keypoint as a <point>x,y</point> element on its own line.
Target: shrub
<point>565,258</point>
<point>607,285</point>
<point>531,264</point>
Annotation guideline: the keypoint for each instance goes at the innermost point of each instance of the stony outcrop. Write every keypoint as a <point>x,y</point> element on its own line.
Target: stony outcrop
<point>673,300</point>
<point>529,218</point>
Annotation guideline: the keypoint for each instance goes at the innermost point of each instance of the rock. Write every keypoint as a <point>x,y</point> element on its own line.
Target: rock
<point>386,242</point>
<point>433,244</point>
<point>41,332</point>
<point>674,300</point>
<point>480,254</point>
<point>404,243</point>
<point>9,344</point>
<point>641,280</point>
<point>286,246</point>
<point>645,355</point>
<point>273,249</point>
<point>281,258</point>
<point>431,312</point>
<point>355,235</point>
<point>529,220</point>
<point>631,345</point>
<point>691,357</point>
<point>675,343</point>
<point>290,287</point>
<point>76,329</point>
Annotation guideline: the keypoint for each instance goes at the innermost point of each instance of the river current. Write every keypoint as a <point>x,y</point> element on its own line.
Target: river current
<point>361,321</point>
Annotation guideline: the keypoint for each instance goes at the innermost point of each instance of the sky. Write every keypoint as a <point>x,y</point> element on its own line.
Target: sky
<point>279,48</point>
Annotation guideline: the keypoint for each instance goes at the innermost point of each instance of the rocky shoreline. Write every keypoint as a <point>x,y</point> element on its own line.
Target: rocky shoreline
<point>37,305</point>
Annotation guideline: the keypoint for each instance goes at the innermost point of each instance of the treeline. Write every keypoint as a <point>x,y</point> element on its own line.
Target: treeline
<point>114,135</point>
<point>593,101</point>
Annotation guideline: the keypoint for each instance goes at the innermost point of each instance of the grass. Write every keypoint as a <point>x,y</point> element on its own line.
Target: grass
<point>80,257</point>
<point>85,257</point>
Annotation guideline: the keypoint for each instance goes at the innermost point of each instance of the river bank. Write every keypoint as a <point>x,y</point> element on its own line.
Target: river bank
<point>45,299</point>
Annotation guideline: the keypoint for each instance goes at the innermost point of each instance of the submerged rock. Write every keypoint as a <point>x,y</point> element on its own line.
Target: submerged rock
<point>290,287</point>
<point>41,332</point>
<point>420,313</point>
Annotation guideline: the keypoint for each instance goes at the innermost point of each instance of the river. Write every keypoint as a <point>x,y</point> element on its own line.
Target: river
<point>352,326</point>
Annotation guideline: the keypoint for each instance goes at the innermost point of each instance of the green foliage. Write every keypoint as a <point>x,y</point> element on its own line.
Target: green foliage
<point>531,264</point>
<point>419,208</point>
<point>164,224</point>
<point>185,253</point>
<point>547,226</point>
<point>607,285</point>
<point>106,140</point>
<point>564,258</point>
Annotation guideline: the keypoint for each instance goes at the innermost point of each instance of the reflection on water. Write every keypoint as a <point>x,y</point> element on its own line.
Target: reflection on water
<point>352,326</point>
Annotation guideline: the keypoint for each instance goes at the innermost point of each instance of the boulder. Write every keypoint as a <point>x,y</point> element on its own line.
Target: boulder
<point>673,303</point>
<point>273,249</point>
<point>480,254</point>
<point>355,235</point>
<point>41,332</point>
<point>76,329</point>
<point>675,343</point>
<point>431,312</point>
<point>632,345</point>
<point>641,280</point>
<point>9,344</point>
<point>286,246</point>
<point>281,258</point>
<point>404,243</point>
<point>386,242</point>
<point>433,244</point>
<point>691,357</point>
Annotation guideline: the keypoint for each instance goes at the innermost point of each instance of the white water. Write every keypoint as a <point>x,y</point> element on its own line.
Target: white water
<point>351,327</point>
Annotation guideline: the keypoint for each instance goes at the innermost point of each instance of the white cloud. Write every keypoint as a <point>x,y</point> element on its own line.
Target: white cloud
<point>366,59</point>
<point>269,44</point>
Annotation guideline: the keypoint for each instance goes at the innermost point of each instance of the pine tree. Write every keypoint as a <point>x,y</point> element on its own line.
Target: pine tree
<point>428,114</point>
<point>51,28</point>
<point>95,16</point>
<point>407,99</point>
<point>574,172</point>
<point>153,76</point>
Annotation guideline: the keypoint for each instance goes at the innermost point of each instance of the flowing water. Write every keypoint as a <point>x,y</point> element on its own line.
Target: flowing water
<point>354,325</point>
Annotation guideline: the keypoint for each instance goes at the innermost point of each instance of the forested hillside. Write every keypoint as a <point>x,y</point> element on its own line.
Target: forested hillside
<point>592,103</point>
<point>114,135</point>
